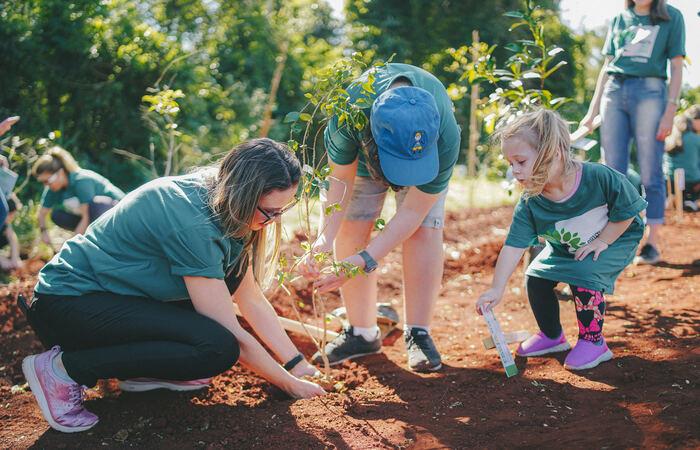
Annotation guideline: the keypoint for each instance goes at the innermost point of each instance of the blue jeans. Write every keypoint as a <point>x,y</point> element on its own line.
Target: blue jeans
<point>632,108</point>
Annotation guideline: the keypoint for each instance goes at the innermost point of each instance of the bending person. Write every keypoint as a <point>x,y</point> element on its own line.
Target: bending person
<point>105,301</point>
<point>410,145</point>
<point>73,196</point>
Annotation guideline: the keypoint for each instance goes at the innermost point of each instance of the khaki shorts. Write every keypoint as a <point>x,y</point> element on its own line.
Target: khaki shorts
<point>368,200</point>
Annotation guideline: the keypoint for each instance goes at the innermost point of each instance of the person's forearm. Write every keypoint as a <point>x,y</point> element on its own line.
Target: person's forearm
<point>397,230</point>
<point>674,85</point>
<point>508,260</point>
<point>14,245</point>
<point>82,226</point>
<point>264,320</point>
<point>613,230</point>
<point>41,218</point>
<point>341,184</point>
<point>594,107</point>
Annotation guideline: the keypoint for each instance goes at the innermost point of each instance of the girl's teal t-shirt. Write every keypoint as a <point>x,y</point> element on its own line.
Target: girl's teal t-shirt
<point>144,246</point>
<point>641,49</point>
<point>84,185</point>
<point>688,159</point>
<point>604,195</point>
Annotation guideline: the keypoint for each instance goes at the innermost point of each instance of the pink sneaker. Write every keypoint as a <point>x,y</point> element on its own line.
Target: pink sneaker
<point>539,344</point>
<point>149,384</point>
<point>60,402</point>
<point>586,355</point>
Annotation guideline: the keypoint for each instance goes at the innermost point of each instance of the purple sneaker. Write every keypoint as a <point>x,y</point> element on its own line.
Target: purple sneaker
<point>149,384</point>
<point>586,355</point>
<point>61,402</point>
<point>539,344</point>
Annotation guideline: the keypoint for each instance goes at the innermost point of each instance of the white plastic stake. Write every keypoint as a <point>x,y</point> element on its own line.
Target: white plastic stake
<point>500,341</point>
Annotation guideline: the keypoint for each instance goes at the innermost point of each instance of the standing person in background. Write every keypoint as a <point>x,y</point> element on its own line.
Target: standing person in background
<point>634,102</point>
<point>73,196</point>
<point>411,146</point>
<point>683,152</point>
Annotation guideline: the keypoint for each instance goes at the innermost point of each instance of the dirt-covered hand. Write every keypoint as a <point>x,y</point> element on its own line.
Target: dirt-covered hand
<point>596,247</point>
<point>488,300</point>
<point>304,389</point>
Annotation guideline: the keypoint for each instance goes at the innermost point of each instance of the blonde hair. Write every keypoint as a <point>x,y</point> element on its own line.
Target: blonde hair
<point>248,172</point>
<point>548,134</point>
<point>681,124</point>
<point>54,160</point>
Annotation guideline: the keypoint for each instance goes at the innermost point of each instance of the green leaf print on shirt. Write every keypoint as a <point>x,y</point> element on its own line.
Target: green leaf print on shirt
<point>563,237</point>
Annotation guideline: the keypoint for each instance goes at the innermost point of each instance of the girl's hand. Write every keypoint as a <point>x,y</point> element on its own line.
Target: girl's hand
<point>665,126</point>
<point>332,282</point>
<point>488,300</point>
<point>304,369</point>
<point>304,389</point>
<point>596,247</point>
<point>587,122</point>
<point>308,267</point>
<point>16,263</point>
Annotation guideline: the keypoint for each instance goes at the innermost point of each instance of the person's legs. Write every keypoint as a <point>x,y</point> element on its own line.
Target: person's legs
<point>591,349</point>
<point>67,221</point>
<point>615,128</point>
<point>545,307</point>
<point>100,205</point>
<point>646,112</point>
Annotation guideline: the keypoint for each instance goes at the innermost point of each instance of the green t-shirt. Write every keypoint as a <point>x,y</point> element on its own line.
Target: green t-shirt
<point>603,195</point>
<point>641,49</point>
<point>157,234</point>
<point>688,159</point>
<point>83,185</point>
<point>343,143</point>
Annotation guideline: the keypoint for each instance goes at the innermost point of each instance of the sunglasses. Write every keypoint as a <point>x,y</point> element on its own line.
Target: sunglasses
<point>272,215</point>
<point>51,179</point>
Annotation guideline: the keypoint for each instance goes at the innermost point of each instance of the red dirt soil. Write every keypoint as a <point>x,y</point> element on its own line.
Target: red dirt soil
<point>646,397</point>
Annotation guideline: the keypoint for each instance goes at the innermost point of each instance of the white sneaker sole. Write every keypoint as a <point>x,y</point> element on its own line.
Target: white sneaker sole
<point>30,374</point>
<point>556,349</point>
<point>607,356</point>
<point>144,386</point>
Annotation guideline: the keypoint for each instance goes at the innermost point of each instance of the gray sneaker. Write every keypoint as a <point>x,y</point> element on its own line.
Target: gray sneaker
<point>422,354</point>
<point>348,346</point>
<point>648,255</point>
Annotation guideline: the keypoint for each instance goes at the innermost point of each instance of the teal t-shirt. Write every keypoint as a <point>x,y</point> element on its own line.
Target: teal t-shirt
<point>343,143</point>
<point>641,49</point>
<point>157,234</point>
<point>83,185</point>
<point>688,159</point>
<point>603,195</point>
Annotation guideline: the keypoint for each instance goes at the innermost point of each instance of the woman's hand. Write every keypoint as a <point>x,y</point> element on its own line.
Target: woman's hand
<point>587,122</point>
<point>332,282</point>
<point>303,389</point>
<point>488,300</point>
<point>596,247</point>
<point>304,369</point>
<point>309,267</point>
<point>6,124</point>
<point>665,126</point>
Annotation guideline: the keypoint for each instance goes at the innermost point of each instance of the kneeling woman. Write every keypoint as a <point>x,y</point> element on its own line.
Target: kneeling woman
<point>107,301</point>
<point>73,196</point>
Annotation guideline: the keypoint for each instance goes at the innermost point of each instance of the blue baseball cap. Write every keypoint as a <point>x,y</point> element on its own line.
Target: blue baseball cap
<point>405,125</point>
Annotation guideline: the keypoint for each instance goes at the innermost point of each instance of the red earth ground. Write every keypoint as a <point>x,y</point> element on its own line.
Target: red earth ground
<point>646,397</point>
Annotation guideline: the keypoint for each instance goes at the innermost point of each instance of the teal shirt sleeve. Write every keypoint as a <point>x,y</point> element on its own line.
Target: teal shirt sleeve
<point>85,190</point>
<point>624,202</point>
<point>675,46</point>
<point>522,233</point>
<point>49,198</point>
<point>342,148</point>
<point>194,252</point>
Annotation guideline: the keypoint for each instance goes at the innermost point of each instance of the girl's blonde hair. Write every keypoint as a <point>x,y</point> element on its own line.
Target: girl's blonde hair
<point>54,160</point>
<point>682,123</point>
<point>249,171</point>
<point>548,134</point>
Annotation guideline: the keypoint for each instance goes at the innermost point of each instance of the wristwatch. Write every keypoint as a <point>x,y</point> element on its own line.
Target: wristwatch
<point>370,263</point>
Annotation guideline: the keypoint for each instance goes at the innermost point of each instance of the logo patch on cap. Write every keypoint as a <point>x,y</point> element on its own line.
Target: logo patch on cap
<point>418,141</point>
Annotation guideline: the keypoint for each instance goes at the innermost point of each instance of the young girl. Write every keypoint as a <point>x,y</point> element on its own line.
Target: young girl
<point>73,196</point>
<point>683,152</point>
<point>589,215</point>
<point>106,300</point>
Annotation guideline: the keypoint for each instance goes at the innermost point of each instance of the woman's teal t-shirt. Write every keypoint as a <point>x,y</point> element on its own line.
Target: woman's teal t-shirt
<point>641,49</point>
<point>157,234</point>
<point>688,159</point>
<point>604,195</point>
<point>83,185</point>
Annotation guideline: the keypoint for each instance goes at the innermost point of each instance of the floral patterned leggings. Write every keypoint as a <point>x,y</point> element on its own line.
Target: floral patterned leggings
<point>590,309</point>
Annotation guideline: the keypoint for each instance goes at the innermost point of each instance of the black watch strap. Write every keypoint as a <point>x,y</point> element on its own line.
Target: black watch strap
<point>370,263</point>
<point>292,363</point>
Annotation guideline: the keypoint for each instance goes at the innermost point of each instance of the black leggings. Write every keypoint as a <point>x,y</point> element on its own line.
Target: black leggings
<point>105,335</point>
<point>98,206</point>
<point>590,308</point>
